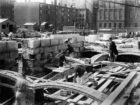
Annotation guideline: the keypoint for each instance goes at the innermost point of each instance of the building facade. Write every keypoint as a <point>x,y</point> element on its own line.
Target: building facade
<point>86,6</point>
<point>7,9</point>
<point>55,15</point>
<point>132,18</point>
<point>111,16</point>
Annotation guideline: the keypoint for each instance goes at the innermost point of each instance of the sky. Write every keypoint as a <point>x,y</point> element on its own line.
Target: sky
<point>47,1</point>
<point>69,3</point>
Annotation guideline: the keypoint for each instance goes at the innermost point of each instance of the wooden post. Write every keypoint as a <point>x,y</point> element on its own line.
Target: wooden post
<point>20,66</point>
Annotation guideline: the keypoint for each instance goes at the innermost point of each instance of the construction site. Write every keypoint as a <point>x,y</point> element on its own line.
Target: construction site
<point>69,52</point>
<point>99,82</point>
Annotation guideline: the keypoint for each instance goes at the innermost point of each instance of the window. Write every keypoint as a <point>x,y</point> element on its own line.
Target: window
<point>104,25</point>
<point>115,25</point>
<point>136,25</point>
<point>100,24</point>
<point>120,25</point>
<point>109,24</point>
<point>3,26</point>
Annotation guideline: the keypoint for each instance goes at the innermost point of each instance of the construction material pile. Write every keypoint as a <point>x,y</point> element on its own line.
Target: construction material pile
<point>38,50</point>
<point>9,53</point>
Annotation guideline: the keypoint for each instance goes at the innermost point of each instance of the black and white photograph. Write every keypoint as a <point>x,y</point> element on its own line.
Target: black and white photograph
<point>69,52</point>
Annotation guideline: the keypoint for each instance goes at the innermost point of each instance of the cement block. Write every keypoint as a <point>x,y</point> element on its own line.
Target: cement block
<point>34,43</point>
<point>45,42</point>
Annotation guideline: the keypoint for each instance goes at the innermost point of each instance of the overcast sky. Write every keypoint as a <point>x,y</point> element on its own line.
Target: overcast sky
<point>47,1</point>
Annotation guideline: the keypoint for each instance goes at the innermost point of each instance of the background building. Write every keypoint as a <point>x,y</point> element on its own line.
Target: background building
<point>55,15</point>
<point>7,25</point>
<point>7,9</point>
<point>132,18</point>
<point>111,16</point>
<point>88,5</point>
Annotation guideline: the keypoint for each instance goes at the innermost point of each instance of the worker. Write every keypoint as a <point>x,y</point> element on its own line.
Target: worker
<point>20,92</point>
<point>50,57</point>
<point>61,58</point>
<point>10,35</point>
<point>69,49</point>
<point>113,52</point>
<point>23,34</point>
<point>79,73</point>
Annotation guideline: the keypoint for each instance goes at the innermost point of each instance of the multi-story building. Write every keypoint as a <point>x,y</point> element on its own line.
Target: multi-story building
<point>111,16</point>
<point>132,17</point>
<point>56,15</point>
<point>7,9</point>
<point>84,6</point>
<point>82,19</point>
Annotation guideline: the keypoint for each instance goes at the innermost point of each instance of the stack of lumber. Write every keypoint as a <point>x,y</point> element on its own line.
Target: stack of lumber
<point>110,86</point>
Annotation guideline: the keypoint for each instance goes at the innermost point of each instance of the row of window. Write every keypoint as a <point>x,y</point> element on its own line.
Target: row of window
<point>109,14</point>
<point>108,4</point>
<point>110,25</point>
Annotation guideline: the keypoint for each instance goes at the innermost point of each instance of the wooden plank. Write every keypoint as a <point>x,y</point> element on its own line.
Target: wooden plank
<point>94,75</point>
<point>79,96</point>
<point>95,103</point>
<point>7,85</point>
<point>57,95</point>
<point>87,84</point>
<point>125,95</point>
<point>105,85</point>
<point>123,69</point>
<point>89,100</point>
<point>92,93</point>
<point>117,68</point>
<point>86,102</point>
<point>101,80</point>
<point>111,98</point>
<point>75,60</point>
<point>6,102</point>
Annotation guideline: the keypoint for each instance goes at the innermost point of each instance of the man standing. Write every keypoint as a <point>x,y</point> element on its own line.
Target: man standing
<point>113,52</point>
<point>20,92</point>
<point>61,58</point>
<point>69,49</point>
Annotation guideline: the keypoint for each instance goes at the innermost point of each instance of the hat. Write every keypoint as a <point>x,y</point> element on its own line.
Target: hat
<point>110,38</point>
<point>67,40</point>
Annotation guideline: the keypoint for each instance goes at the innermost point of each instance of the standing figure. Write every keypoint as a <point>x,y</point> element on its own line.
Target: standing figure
<point>20,92</point>
<point>23,34</point>
<point>69,49</point>
<point>10,35</point>
<point>79,74</point>
<point>113,52</point>
<point>61,58</point>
